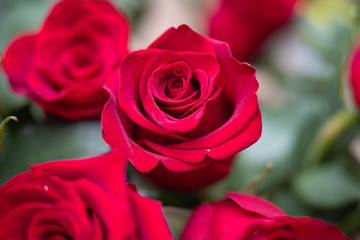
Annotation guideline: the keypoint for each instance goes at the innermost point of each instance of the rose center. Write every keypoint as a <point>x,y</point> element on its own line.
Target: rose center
<point>173,87</point>
<point>81,56</point>
<point>81,60</point>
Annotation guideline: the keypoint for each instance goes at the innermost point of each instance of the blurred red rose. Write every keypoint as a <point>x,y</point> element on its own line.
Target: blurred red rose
<point>249,217</point>
<point>354,72</point>
<point>63,67</point>
<point>246,24</point>
<point>78,199</point>
<point>183,107</point>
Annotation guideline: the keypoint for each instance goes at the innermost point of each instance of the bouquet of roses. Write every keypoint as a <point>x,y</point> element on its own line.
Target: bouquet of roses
<point>179,112</point>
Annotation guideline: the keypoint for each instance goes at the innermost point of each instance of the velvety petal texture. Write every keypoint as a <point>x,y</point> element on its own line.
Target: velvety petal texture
<point>182,107</point>
<point>249,217</point>
<point>78,199</point>
<point>63,67</point>
<point>246,24</point>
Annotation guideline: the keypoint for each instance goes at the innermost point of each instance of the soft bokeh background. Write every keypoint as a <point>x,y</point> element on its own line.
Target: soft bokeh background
<point>301,69</point>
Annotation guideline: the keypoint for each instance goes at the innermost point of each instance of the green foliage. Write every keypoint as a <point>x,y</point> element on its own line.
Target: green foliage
<point>327,187</point>
<point>37,143</point>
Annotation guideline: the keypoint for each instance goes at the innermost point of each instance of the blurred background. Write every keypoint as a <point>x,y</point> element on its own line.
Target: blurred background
<point>301,65</point>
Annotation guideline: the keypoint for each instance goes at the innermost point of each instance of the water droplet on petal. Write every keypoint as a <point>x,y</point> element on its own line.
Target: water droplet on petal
<point>46,188</point>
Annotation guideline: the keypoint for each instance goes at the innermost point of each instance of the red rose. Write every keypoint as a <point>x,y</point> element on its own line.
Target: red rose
<point>78,199</point>
<point>63,67</point>
<point>245,24</point>
<point>184,107</point>
<point>248,217</point>
<point>354,72</point>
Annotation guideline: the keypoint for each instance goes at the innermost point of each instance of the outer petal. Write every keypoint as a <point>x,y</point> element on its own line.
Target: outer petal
<point>22,218</point>
<point>188,179</point>
<point>199,224</point>
<point>355,75</point>
<point>314,229</point>
<point>183,39</point>
<point>116,127</point>
<point>254,22</point>
<point>244,139</point>
<point>256,205</point>
<point>149,217</point>
<point>115,214</point>
<point>16,62</point>
<point>190,156</point>
<point>230,221</point>
<point>93,168</point>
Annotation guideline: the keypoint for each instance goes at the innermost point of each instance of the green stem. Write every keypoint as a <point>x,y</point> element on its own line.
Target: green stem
<point>351,223</point>
<point>328,134</point>
<point>2,128</point>
<point>252,186</point>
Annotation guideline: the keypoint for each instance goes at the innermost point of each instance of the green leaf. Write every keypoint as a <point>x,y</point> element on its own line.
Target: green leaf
<point>2,128</point>
<point>52,141</point>
<point>326,187</point>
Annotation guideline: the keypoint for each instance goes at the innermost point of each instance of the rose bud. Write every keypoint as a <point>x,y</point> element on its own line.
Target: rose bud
<point>183,107</point>
<point>246,24</point>
<point>249,217</point>
<point>63,67</point>
<point>78,199</point>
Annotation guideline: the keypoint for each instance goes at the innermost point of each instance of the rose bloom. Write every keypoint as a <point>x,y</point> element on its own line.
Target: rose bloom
<point>63,67</point>
<point>246,24</point>
<point>249,217</point>
<point>78,199</point>
<point>354,75</point>
<point>183,106</point>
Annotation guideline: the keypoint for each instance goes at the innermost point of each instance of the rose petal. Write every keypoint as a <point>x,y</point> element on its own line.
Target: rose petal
<point>239,88</point>
<point>256,205</point>
<point>244,139</point>
<point>21,216</point>
<point>231,221</point>
<point>170,123</point>
<point>16,62</point>
<point>189,177</point>
<point>113,210</point>
<point>94,168</point>
<point>129,91</point>
<point>183,39</point>
<point>354,72</point>
<point>199,224</point>
<point>189,156</point>
<point>149,217</point>
<point>153,159</point>
<point>117,137</point>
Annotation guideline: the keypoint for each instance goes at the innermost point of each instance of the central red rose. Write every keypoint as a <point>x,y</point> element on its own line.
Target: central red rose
<point>183,107</point>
